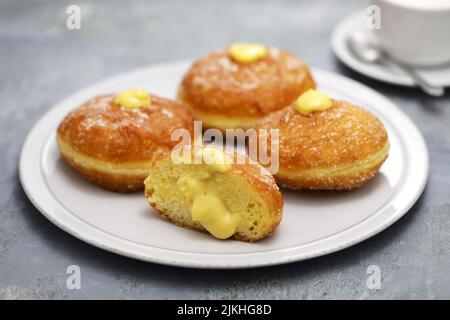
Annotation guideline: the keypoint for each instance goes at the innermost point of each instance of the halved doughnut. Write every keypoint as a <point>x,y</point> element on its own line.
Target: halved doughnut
<point>240,201</point>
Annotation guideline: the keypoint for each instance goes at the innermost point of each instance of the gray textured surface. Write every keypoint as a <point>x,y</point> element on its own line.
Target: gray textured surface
<point>41,62</point>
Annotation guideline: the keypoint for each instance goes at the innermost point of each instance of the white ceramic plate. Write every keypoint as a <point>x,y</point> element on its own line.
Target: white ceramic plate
<point>387,73</point>
<point>314,223</point>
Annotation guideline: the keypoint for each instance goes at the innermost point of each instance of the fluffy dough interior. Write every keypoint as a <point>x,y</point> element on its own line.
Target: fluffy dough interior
<point>165,195</point>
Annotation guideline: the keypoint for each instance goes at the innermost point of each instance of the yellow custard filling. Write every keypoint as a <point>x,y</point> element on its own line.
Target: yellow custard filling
<point>216,159</point>
<point>247,52</point>
<point>134,98</point>
<point>312,100</point>
<point>202,194</point>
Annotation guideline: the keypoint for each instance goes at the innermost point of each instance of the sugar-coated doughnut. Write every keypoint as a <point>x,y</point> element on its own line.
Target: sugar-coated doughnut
<point>339,148</point>
<point>115,146</point>
<point>225,93</point>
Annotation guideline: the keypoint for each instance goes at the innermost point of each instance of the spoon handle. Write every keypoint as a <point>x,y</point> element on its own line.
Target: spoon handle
<point>432,90</point>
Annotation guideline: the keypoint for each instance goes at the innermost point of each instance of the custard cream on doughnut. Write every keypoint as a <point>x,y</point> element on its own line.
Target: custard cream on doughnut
<point>325,144</point>
<point>237,86</point>
<point>227,200</point>
<point>114,139</point>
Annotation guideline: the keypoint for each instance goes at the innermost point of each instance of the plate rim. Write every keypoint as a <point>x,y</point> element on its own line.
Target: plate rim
<point>221,265</point>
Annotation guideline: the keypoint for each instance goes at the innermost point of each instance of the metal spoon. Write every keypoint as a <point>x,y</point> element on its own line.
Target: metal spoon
<point>369,51</point>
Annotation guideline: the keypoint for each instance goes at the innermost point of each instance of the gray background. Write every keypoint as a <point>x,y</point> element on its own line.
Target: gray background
<point>41,62</point>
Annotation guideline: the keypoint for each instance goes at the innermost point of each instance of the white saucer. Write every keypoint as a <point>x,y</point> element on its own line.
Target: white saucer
<point>356,21</point>
<point>313,224</point>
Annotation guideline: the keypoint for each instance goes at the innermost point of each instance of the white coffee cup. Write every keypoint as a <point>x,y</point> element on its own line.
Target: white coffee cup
<point>415,32</point>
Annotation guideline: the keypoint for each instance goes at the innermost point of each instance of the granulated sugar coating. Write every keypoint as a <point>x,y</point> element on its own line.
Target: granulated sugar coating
<point>115,146</point>
<point>218,86</point>
<point>338,148</point>
<point>104,130</point>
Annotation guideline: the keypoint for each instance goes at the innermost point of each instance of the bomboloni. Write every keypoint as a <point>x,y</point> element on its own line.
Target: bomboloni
<point>114,139</point>
<point>235,87</point>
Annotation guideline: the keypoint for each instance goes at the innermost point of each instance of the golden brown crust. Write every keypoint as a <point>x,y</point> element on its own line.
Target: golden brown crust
<point>103,130</point>
<point>217,85</point>
<point>334,147</point>
<point>264,183</point>
<point>100,137</point>
<point>343,181</point>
